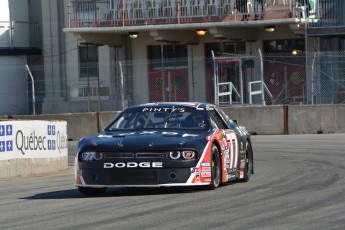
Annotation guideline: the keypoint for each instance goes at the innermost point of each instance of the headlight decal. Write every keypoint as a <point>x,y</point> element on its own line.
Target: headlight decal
<point>90,156</point>
<point>188,155</point>
<point>182,155</point>
<point>174,155</point>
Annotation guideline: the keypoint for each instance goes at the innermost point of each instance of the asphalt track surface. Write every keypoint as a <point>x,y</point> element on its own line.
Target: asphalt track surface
<point>298,183</point>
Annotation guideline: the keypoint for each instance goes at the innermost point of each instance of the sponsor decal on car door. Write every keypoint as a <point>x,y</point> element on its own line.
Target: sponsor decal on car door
<point>232,141</point>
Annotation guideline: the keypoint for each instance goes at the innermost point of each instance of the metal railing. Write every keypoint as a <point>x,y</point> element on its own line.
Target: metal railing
<point>83,13</point>
<point>226,90</point>
<point>259,92</point>
<point>120,13</point>
<point>329,13</point>
<point>32,89</point>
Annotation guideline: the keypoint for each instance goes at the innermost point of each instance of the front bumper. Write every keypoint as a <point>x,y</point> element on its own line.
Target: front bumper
<point>142,177</point>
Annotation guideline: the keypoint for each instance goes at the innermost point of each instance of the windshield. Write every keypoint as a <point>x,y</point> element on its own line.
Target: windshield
<point>161,118</point>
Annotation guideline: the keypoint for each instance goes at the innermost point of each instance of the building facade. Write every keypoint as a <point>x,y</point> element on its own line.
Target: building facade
<point>101,55</point>
<point>19,44</point>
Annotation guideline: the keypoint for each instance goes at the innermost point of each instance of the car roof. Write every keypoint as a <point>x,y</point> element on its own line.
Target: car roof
<point>199,105</point>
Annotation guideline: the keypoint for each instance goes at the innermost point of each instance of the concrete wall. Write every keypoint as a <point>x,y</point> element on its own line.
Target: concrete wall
<point>261,120</point>
<point>292,119</point>
<point>105,118</point>
<point>28,167</point>
<point>78,124</point>
<point>316,119</point>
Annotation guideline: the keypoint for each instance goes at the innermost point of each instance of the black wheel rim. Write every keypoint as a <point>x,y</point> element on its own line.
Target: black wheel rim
<point>215,169</point>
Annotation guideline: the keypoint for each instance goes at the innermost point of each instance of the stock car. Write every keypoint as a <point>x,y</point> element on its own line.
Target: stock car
<point>163,145</point>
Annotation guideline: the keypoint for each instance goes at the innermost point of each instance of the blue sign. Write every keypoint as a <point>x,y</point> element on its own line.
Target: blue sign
<point>2,130</point>
<point>9,146</point>
<point>9,130</point>
<point>53,145</point>
<point>49,144</point>
<point>2,146</point>
<point>51,130</point>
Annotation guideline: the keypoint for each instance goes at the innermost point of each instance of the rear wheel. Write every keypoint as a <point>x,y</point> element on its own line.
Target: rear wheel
<point>215,168</point>
<point>88,191</point>
<point>248,167</point>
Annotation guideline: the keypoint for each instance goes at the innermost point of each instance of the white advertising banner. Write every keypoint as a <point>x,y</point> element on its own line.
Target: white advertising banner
<point>33,139</point>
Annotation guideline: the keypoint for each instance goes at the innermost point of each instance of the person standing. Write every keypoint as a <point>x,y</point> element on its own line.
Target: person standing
<point>256,9</point>
<point>242,8</point>
<point>304,7</point>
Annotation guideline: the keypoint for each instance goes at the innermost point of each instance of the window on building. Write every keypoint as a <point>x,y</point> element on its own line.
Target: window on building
<point>88,58</point>
<point>284,46</point>
<point>226,49</point>
<point>81,92</point>
<point>174,56</point>
<point>233,48</point>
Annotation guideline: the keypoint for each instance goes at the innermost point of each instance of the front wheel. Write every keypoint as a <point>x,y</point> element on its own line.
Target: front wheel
<point>88,191</point>
<point>215,168</point>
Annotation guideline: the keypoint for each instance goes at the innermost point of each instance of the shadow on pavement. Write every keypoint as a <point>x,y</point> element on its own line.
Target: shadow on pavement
<point>112,192</point>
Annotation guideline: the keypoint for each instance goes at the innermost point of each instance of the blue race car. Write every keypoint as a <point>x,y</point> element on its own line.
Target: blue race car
<point>164,145</point>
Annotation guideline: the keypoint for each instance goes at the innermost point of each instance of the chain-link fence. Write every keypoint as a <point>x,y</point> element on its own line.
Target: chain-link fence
<point>316,78</point>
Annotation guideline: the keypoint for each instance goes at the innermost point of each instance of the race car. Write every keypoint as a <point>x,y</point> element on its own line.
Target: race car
<point>165,145</point>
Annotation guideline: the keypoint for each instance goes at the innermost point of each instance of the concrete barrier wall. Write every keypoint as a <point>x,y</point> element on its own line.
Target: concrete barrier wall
<point>261,120</point>
<point>78,124</point>
<point>27,167</point>
<point>316,119</point>
<point>292,119</point>
<point>105,118</point>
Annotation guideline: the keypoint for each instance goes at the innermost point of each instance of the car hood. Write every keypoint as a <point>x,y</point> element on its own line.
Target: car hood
<point>144,140</point>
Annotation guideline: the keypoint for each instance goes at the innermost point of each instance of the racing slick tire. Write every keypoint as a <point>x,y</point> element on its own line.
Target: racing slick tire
<point>215,168</point>
<point>248,167</point>
<point>88,191</point>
